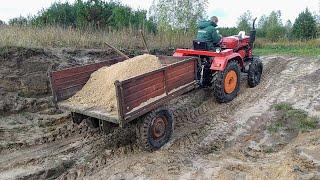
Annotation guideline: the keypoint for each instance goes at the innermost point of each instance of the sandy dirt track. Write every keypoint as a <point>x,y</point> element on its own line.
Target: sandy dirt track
<point>211,140</point>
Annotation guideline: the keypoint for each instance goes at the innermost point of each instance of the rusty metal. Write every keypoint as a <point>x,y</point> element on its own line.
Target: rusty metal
<point>159,127</point>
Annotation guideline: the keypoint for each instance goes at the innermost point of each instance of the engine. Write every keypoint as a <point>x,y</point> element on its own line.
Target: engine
<point>234,42</point>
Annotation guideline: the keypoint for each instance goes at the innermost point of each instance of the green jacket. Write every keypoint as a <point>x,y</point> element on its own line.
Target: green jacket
<point>208,32</point>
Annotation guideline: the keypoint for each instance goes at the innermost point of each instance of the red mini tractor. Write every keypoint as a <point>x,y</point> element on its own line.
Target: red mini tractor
<point>220,68</point>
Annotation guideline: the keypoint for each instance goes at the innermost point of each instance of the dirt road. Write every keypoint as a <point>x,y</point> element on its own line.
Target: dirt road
<point>211,140</point>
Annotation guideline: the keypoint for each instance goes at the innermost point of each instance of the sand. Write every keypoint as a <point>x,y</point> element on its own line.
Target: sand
<point>99,91</point>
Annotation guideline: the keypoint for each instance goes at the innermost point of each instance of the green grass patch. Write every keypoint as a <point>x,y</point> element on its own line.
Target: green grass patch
<point>285,47</point>
<point>292,119</point>
<point>275,127</point>
<point>292,51</point>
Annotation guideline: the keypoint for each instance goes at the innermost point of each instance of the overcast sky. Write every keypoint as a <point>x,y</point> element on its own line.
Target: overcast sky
<point>227,10</point>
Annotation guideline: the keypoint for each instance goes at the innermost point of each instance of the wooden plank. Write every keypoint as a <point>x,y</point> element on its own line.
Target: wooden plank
<point>130,90</point>
<point>159,102</point>
<point>142,79</point>
<point>129,105</point>
<point>177,84</point>
<point>78,69</point>
<point>72,78</point>
<point>180,67</point>
<point>65,94</point>
<point>95,112</point>
<point>74,82</point>
<point>181,76</point>
<point>143,91</point>
<point>173,74</point>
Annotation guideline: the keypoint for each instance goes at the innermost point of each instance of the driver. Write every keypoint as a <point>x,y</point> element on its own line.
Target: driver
<point>207,32</point>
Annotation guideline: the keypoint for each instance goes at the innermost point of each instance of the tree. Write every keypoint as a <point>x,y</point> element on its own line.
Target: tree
<point>288,27</point>
<point>274,27</point>
<point>271,26</point>
<point>227,31</point>
<point>305,26</point>
<point>94,14</point>
<point>1,23</point>
<point>180,14</point>
<point>244,21</point>
<point>262,26</point>
<point>19,21</point>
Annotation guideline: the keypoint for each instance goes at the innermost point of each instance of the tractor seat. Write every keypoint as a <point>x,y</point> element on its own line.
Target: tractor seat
<point>203,45</point>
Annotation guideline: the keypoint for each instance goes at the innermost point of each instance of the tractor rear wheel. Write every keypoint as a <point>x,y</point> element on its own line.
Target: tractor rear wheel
<point>226,84</point>
<point>155,129</point>
<point>254,73</point>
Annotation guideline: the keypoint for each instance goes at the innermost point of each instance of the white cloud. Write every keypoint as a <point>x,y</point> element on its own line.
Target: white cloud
<point>228,10</point>
<point>14,8</point>
<point>138,4</point>
<point>233,9</point>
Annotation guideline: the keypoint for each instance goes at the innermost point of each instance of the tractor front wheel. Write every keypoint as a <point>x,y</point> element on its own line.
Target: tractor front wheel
<point>155,129</point>
<point>254,73</point>
<point>226,84</point>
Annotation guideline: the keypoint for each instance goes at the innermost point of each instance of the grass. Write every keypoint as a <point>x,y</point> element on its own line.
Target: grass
<point>285,47</point>
<point>51,37</point>
<point>292,119</point>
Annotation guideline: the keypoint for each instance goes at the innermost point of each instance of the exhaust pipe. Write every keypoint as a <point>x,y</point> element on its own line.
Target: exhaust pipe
<point>253,33</point>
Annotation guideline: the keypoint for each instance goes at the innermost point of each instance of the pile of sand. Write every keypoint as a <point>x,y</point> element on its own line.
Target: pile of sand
<point>100,92</point>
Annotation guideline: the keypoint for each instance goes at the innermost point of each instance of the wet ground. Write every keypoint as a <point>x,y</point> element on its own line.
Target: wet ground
<point>211,140</point>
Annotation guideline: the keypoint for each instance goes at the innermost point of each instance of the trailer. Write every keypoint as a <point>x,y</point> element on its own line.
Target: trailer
<point>140,100</point>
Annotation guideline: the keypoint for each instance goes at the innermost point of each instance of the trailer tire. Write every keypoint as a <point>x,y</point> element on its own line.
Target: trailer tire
<point>254,73</point>
<point>92,122</point>
<point>107,127</point>
<point>155,129</point>
<point>222,91</point>
<point>77,118</point>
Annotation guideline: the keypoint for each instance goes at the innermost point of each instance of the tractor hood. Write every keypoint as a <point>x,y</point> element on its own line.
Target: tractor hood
<point>205,24</point>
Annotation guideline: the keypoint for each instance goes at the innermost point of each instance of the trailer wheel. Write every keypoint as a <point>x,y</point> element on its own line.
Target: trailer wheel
<point>77,118</point>
<point>254,73</point>
<point>92,122</point>
<point>107,127</point>
<point>155,129</point>
<point>226,84</point>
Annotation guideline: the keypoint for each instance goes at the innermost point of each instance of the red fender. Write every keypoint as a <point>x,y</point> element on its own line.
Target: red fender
<point>220,63</point>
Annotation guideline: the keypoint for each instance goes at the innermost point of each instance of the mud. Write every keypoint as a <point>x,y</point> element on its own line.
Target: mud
<point>211,140</point>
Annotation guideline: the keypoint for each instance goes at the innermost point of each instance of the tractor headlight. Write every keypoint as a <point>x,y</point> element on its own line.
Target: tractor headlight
<point>218,50</point>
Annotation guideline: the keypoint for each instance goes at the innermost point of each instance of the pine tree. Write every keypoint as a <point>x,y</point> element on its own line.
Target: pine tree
<point>274,27</point>
<point>288,27</point>
<point>305,26</point>
<point>181,14</point>
<point>244,22</point>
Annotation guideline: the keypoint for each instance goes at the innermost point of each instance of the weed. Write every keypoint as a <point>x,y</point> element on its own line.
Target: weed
<point>315,140</point>
<point>48,37</point>
<point>286,47</point>
<point>292,119</point>
<point>275,127</point>
<point>269,150</point>
<point>73,38</point>
<point>282,106</point>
